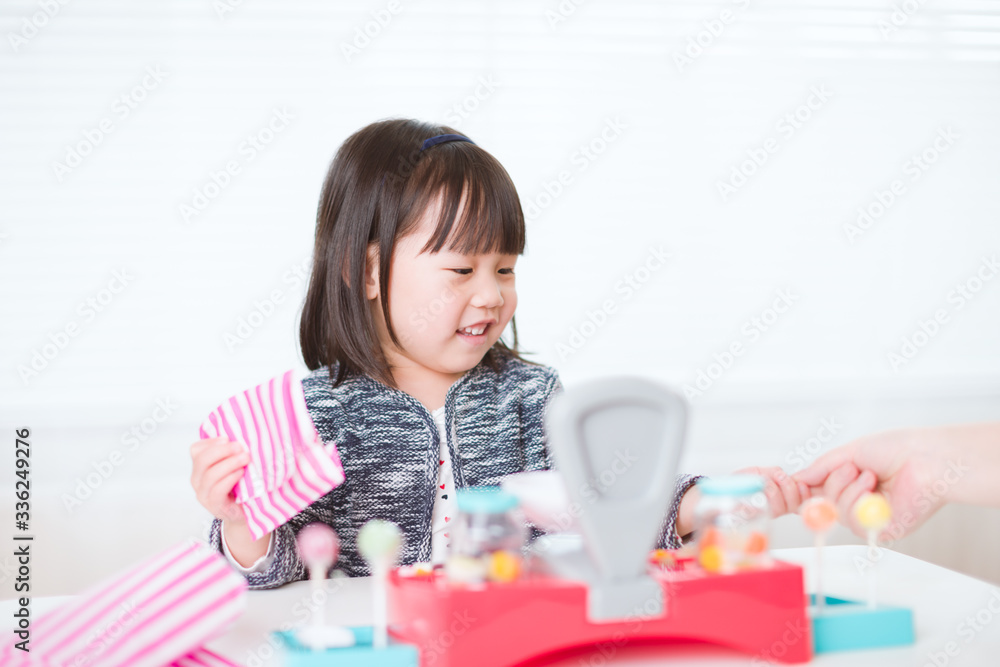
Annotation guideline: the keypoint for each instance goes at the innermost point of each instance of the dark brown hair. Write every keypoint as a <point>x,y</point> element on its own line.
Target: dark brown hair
<point>378,187</point>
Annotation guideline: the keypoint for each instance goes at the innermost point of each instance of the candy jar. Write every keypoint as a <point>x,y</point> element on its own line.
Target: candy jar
<point>731,523</point>
<point>488,537</point>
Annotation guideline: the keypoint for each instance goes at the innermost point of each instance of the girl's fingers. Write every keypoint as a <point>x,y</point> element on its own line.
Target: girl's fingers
<point>219,480</point>
<point>838,480</point>
<point>222,494</point>
<point>775,496</point>
<point>789,490</point>
<point>209,455</point>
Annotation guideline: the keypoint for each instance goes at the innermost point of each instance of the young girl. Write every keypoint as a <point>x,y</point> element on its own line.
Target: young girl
<point>418,233</point>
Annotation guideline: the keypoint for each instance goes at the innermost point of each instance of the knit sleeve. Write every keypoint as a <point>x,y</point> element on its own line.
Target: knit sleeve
<point>285,566</point>
<point>668,538</point>
<point>534,408</point>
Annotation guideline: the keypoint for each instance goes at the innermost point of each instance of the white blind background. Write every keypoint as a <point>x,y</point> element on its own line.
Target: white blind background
<point>533,86</point>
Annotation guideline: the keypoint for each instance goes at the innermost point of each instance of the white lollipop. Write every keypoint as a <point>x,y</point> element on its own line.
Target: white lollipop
<point>378,543</point>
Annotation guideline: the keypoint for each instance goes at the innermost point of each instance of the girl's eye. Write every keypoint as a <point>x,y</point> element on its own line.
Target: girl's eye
<point>465,272</point>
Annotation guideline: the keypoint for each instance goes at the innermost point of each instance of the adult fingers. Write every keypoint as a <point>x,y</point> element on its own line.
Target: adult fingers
<point>838,480</point>
<point>817,471</point>
<point>864,483</point>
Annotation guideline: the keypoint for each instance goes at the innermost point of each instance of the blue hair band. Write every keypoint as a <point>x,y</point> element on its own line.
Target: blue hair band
<point>443,138</point>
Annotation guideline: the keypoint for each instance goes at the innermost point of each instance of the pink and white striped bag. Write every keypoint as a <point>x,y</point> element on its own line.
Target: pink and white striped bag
<point>158,613</point>
<point>290,468</point>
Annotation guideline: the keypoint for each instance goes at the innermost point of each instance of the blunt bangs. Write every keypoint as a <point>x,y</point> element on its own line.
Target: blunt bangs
<point>480,210</point>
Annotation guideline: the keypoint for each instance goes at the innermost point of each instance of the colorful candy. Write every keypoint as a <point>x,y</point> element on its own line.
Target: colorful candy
<point>872,511</point>
<point>318,546</point>
<point>819,514</point>
<point>503,566</point>
<point>711,559</point>
<point>756,543</point>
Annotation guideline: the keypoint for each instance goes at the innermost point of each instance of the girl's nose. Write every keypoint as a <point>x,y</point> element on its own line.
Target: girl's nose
<point>487,293</point>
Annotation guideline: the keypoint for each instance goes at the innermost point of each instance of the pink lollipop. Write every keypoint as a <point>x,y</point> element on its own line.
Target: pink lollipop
<point>318,546</point>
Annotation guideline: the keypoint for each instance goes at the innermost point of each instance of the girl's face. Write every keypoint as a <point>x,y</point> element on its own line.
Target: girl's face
<point>447,309</point>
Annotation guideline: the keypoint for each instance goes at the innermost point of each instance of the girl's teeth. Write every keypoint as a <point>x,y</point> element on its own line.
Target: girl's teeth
<point>473,332</point>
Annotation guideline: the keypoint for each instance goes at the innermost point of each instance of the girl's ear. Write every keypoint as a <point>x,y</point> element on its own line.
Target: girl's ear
<point>371,273</point>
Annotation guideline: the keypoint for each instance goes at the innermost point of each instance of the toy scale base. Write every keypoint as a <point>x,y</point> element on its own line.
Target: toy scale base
<point>499,625</point>
<point>362,654</point>
<point>850,625</point>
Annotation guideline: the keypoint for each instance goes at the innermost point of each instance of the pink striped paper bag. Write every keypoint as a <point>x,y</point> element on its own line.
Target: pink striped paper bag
<point>158,613</point>
<point>203,658</point>
<point>290,468</point>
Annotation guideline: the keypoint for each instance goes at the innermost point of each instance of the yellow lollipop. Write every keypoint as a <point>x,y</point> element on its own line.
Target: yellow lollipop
<point>872,511</point>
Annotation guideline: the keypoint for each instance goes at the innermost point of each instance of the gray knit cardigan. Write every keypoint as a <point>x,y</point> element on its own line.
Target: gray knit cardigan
<point>388,444</point>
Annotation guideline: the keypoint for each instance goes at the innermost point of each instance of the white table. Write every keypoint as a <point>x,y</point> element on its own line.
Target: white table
<point>942,602</point>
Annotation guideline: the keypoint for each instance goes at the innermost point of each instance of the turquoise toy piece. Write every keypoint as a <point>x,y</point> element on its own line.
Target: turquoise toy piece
<point>850,625</point>
<point>362,654</point>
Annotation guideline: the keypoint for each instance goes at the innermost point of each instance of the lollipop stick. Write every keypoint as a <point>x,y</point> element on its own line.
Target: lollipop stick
<point>820,597</point>
<point>316,581</point>
<point>872,581</point>
<point>380,631</point>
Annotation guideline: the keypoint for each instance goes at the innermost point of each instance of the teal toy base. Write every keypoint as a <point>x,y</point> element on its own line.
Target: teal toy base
<point>850,625</point>
<point>362,654</point>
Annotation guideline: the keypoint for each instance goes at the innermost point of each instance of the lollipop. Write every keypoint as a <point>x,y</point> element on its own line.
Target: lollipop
<point>873,513</point>
<point>819,515</point>
<point>318,548</point>
<point>379,542</point>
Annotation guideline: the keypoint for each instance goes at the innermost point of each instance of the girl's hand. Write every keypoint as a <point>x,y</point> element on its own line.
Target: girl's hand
<point>784,494</point>
<point>217,465</point>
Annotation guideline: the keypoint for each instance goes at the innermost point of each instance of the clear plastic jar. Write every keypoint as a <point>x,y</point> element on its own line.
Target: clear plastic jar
<point>488,537</point>
<point>732,520</point>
